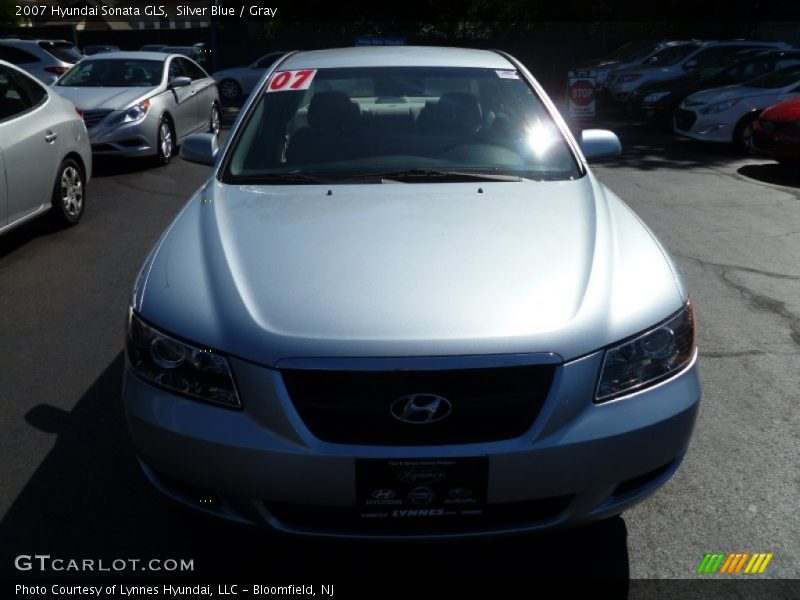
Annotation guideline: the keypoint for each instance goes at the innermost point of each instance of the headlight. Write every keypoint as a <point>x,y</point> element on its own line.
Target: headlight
<point>649,357</point>
<point>718,107</point>
<point>137,112</point>
<point>177,366</point>
<point>655,97</point>
<point>630,76</point>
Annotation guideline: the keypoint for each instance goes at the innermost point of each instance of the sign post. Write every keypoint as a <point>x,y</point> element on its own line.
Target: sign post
<point>581,94</point>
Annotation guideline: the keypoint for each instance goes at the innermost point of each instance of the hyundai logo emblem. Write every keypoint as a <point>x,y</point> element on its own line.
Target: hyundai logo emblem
<point>421,409</point>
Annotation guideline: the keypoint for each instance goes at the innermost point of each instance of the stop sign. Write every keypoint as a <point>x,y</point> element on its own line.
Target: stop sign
<point>581,92</point>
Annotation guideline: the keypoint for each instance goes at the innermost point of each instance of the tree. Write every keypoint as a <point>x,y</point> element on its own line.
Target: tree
<point>8,16</point>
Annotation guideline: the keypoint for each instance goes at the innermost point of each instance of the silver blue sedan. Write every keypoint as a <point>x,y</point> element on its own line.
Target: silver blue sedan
<point>141,103</point>
<point>403,305</point>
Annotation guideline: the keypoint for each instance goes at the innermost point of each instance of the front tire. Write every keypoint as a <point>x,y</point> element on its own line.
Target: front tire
<point>165,144</point>
<point>230,89</point>
<point>214,120</point>
<point>743,134</point>
<point>69,193</point>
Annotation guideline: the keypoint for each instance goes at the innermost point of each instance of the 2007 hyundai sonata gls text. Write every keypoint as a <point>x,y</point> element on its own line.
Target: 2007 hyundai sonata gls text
<point>403,306</point>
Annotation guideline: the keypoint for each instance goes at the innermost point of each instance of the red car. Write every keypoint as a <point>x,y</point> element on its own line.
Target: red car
<point>776,132</point>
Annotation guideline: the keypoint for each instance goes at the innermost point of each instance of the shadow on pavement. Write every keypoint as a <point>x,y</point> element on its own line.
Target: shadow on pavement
<point>41,226</point>
<point>773,173</point>
<point>87,499</point>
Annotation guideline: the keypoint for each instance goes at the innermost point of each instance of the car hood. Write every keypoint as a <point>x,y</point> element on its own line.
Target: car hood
<point>783,112</point>
<point>272,272</point>
<point>114,98</point>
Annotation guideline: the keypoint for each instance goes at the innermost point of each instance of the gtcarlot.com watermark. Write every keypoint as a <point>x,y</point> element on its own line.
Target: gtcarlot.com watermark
<point>44,563</point>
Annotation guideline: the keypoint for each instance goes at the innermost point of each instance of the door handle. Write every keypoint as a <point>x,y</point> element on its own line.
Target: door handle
<point>50,137</point>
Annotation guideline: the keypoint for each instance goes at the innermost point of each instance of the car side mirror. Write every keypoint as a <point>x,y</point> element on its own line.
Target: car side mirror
<point>177,82</point>
<point>688,66</point>
<point>200,148</point>
<point>597,144</point>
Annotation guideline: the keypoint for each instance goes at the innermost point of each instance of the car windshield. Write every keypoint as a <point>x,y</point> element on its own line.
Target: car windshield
<point>670,56</point>
<point>643,53</point>
<point>114,72</point>
<point>398,123</point>
<point>776,79</point>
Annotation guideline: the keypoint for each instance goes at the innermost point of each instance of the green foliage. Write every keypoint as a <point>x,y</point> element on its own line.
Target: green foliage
<point>8,17</point>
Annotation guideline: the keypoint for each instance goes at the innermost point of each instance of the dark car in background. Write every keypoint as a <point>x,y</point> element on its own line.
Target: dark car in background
<point>100,49</point>
<point>660,99</point>
<point>776,133</point>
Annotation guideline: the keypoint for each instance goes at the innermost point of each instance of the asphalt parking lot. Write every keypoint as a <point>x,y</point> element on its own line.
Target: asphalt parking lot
<point>70,486</point>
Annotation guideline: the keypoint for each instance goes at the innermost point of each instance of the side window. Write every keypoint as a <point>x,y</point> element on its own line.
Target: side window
<point>34,91</point>
<point>709,55</point>
<point>192,70</point>
<point>16,56</point>
<point>753,68</point>
<point>13,97</point>
<point>175,69</point>
<point>786,62</point>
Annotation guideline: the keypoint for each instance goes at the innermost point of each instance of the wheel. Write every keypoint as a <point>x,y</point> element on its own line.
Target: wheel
<point>165,145</point>
<point>743,134</point>
<point>213,121</point>
<point>230,89</point>
<point>69,193</point>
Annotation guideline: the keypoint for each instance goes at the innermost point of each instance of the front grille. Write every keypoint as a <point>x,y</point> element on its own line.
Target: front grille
<point>684,119</point>
<point>93,117</point>
<point>342,520</point>
<point>355,407</point>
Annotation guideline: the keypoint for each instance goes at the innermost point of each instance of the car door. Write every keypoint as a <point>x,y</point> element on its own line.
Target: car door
<point>203,91</point>
<point>185,105</point>
<point>29,143</point>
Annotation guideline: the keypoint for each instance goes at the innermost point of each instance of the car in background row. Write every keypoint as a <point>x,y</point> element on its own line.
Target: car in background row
<point>675,61</point>
<point>514,352</point>
<point>45,158</point>
<point>141,103</point>
<point>240,81</point>
<point>726,114</point>
<point>604,74</point>
<point>622,56</point>
<point>776,133</point>
<point>99,49</point>
<point>46,60</point>
<point>152,48</point>
<point>660,99</point>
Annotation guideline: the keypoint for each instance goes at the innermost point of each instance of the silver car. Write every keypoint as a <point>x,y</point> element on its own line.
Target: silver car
<point>403,305</point>
<point>45,159</point>
<point>47,60</point>
<point>142,103</point>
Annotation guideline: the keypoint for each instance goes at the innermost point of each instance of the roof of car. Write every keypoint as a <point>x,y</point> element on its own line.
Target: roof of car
<point>396,56</point>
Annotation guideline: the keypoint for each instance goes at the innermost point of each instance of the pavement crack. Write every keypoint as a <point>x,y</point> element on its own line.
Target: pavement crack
<point>755,299</point>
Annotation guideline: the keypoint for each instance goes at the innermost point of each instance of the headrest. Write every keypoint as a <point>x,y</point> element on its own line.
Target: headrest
<point>331,110</point>
<point>459,110</point>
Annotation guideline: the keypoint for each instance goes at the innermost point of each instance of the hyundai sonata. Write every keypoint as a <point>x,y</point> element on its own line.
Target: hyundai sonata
<point>402,305</point>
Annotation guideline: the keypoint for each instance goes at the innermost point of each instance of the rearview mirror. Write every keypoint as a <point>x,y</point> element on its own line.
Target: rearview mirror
<point>597,144</point>
<point>181,81</point>
<point>200,148</point>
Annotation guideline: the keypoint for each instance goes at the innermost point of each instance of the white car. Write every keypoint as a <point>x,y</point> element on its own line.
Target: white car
<point>47,60</point>
<point>45,158</point>
<point>674,61</point>
<point>239,81</point>
<point>726,114</point>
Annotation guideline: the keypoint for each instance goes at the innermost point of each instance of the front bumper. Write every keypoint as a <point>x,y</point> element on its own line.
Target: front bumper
<point>705,128</point>
<point>579,462</point>
<point>127,139</point>
<point>779,142</point>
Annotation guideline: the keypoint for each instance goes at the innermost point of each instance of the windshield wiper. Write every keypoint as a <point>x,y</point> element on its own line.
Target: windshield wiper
<point>421,174</point>
<point>290,178</point>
